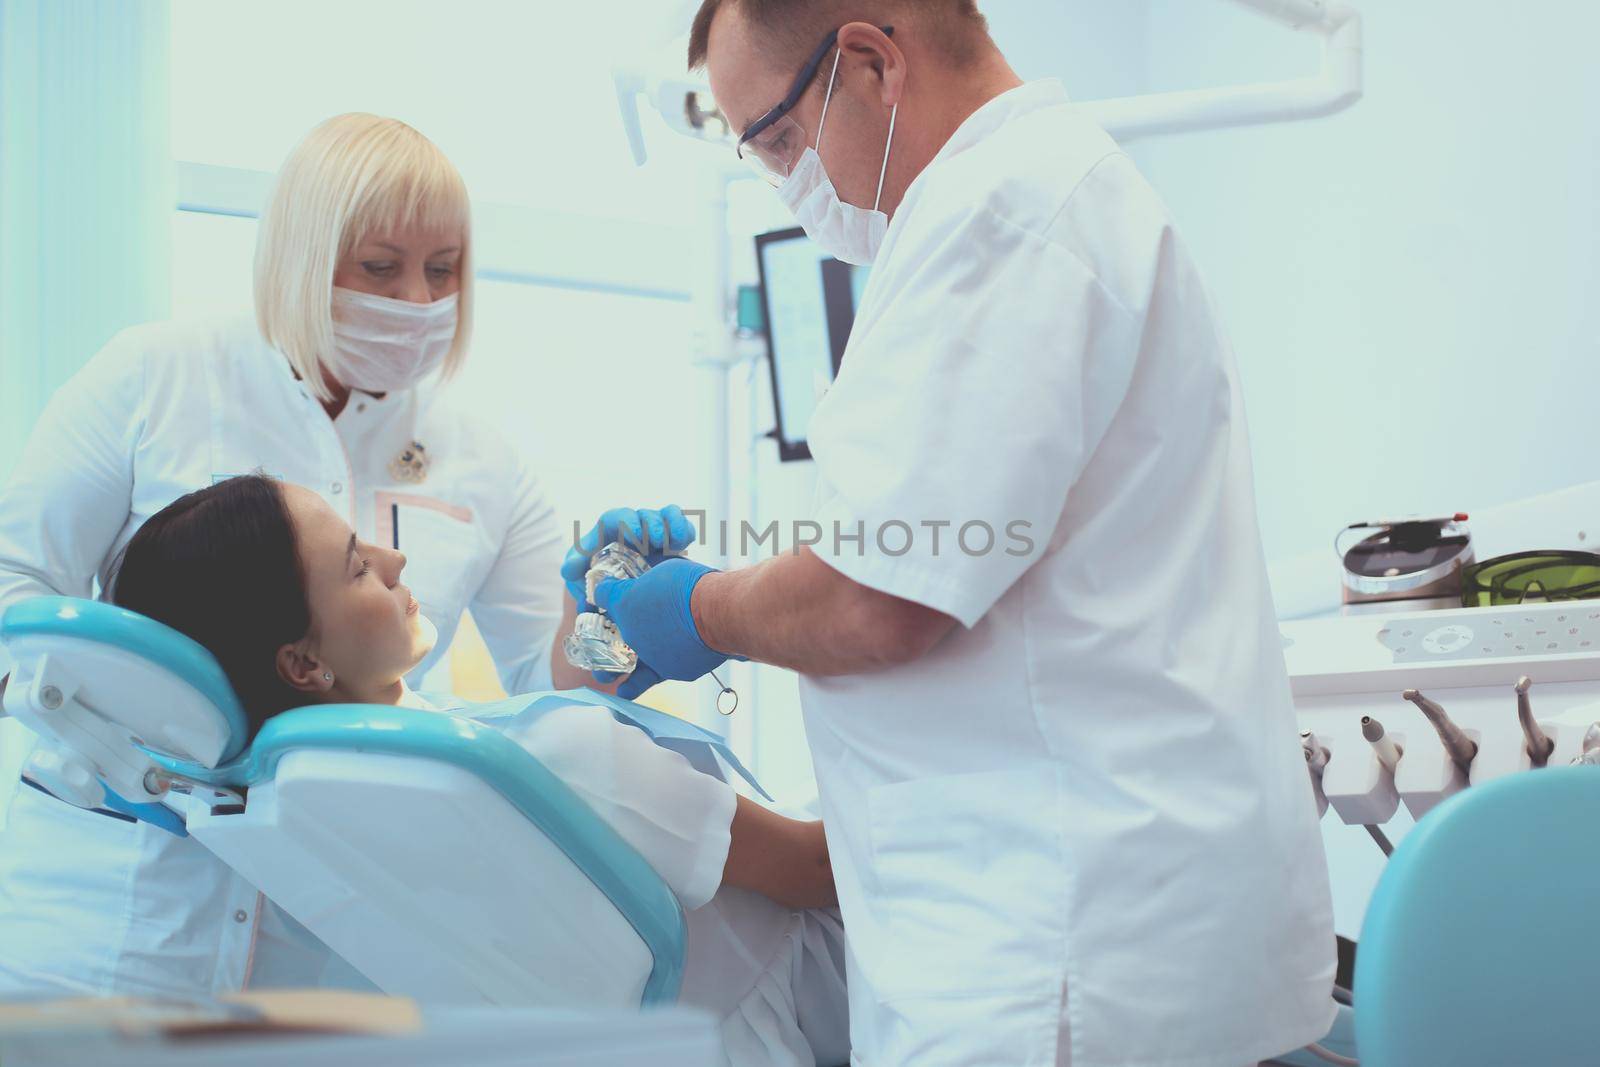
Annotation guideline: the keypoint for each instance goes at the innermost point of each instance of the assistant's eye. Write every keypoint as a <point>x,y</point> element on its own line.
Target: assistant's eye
<point>378,268</point>
<point>439,274</point>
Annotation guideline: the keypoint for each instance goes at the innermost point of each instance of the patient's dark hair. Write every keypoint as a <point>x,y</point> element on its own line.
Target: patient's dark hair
<point>220,566</point>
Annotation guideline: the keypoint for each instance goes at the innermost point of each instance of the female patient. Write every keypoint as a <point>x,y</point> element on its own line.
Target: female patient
<point>298,610</point>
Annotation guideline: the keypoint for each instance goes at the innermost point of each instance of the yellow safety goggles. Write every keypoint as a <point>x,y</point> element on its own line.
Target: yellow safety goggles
<point>1531,577</point>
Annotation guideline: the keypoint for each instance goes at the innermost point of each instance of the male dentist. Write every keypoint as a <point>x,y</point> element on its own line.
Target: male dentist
<point>1068,813</point>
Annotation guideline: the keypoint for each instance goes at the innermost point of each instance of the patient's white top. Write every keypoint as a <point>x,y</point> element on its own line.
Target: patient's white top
<point>772,975</point>
<point>675,817</point>
<point>92,905</point>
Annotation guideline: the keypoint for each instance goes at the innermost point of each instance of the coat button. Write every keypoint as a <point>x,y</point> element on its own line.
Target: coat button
<point>241,916</point>
<point>338,487</point>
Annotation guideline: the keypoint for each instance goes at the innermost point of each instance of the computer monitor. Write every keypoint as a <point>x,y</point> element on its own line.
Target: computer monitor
<point>808,302</point>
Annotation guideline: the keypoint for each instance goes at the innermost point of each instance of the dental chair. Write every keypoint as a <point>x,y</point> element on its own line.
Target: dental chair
<point>438,857</point>
<point>1475,949</point>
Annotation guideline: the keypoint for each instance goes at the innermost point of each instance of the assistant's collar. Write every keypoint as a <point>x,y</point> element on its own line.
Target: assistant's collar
<point>1011,104</point>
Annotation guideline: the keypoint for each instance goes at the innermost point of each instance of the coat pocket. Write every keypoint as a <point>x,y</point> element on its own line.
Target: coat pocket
<point>970,884</point>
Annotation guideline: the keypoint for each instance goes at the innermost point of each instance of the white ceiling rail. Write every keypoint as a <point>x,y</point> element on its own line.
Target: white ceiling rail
<point>510,242</point>
<point>1336,88</point>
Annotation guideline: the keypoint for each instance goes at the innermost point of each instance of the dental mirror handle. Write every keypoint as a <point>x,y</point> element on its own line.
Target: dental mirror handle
<point>1540,746</point>
<point>1462,749</point>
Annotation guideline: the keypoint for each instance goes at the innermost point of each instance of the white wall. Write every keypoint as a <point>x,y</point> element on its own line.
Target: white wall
<point>1410,285</point>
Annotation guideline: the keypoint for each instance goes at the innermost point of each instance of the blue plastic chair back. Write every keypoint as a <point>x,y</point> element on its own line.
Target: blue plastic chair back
<point>623,876</point>
<point>609,862</point>
<point>1476,945</point>
<point>107,624</point>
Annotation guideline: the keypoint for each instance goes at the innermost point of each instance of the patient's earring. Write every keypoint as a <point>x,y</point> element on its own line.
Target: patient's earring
<point>327,676</point>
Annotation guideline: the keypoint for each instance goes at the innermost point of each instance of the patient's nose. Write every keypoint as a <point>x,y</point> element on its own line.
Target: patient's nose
<point>396,563</point>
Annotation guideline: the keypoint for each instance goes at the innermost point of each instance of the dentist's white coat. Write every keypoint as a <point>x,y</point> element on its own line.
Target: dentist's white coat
<point>1080,830</point>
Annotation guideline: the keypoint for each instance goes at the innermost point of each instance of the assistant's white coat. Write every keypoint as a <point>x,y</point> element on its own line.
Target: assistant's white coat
<point>1080,830</point>
<point>168,408</point>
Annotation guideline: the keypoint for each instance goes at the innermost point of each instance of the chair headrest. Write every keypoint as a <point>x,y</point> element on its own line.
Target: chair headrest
<point>166,688</point>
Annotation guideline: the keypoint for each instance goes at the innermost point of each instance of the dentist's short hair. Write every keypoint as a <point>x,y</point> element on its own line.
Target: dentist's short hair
<point>352,177</point>
<point>793,27</point>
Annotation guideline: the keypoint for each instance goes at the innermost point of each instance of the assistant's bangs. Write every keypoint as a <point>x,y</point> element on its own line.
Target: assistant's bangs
<point>410,183</point>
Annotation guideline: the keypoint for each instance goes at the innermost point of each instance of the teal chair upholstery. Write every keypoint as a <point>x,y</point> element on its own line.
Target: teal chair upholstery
<point>104,644</point>
<point>1476,949</point>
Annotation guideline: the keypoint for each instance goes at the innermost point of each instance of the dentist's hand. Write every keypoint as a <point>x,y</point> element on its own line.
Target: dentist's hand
<point>652,612</point>
<point>656,535</point>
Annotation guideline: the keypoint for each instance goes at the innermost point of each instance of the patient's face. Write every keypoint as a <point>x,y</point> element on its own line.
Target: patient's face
<point>364,620</point>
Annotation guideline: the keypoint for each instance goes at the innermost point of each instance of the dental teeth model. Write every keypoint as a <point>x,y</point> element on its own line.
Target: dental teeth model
<point>595,643</point>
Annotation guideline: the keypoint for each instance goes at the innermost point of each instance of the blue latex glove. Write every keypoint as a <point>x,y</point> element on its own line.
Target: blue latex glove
<point>652,612</point>
<point>656,535</point>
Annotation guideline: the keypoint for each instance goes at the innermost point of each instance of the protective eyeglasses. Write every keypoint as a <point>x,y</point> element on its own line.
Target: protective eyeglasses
<point>1531,577</point>
<point>774,143</point>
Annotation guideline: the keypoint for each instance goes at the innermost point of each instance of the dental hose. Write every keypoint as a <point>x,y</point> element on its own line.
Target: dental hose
<point>1330,1056</point>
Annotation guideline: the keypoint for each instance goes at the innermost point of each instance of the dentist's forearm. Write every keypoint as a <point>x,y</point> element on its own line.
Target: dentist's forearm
<point>798,612</point>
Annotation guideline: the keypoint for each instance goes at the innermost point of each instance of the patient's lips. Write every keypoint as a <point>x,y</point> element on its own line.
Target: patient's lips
<point>411,605</point>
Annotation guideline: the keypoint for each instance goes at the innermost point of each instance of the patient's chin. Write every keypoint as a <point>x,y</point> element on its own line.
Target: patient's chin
<point>426,636</point>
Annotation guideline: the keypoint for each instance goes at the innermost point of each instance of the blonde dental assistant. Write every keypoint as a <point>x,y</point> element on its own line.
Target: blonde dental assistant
<point>1067,813</point>
<point>363,290</point>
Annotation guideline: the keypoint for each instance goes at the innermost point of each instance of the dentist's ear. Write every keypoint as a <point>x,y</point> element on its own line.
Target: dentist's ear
<point>866,41</point>
<point>303,671</point>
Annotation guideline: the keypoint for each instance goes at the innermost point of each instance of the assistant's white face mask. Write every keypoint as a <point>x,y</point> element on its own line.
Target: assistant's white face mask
<point>382,345</point>
<point>844,231</point>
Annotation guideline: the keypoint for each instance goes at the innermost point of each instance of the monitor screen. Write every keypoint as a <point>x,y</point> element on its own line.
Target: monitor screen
<point>809,302</point>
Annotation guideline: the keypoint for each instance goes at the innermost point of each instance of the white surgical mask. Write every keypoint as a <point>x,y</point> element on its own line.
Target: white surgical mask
<point>382,345</point>
<point>844,231</point>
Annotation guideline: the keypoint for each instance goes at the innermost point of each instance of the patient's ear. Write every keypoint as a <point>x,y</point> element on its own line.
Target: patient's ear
<point>302,671</point>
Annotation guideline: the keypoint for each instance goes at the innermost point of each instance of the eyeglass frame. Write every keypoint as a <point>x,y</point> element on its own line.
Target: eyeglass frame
<point>807,74</point>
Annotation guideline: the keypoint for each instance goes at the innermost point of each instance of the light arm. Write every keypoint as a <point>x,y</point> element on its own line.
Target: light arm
<point>781,858</point>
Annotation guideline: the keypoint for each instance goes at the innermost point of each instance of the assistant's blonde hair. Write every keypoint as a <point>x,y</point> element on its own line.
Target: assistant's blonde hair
<point>352,176</point>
